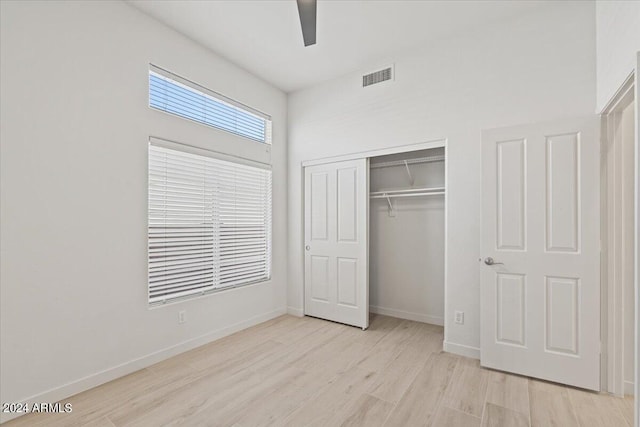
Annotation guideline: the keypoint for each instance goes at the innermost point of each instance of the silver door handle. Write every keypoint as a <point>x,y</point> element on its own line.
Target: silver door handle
<point>308,247</point>
<point>489,261</point>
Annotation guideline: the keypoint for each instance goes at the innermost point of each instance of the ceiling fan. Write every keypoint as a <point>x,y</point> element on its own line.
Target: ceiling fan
<point>307,12</point>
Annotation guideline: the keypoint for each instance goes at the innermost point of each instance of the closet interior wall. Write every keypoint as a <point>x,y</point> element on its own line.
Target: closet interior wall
<point>406,242</point>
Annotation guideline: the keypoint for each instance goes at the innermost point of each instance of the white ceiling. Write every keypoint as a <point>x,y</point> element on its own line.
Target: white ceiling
<point>264,37</point>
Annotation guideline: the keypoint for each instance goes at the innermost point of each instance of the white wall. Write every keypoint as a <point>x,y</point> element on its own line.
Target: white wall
<point>618,40</point>
<point>75,126</point>
<point>539,67</point>
<point>406,250</point>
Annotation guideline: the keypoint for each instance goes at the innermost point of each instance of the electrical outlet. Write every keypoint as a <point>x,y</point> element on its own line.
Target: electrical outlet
<point>459,317</point>
<point>182,316</point>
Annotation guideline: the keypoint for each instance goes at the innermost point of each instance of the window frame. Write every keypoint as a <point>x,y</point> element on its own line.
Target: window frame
<point>198,89</point>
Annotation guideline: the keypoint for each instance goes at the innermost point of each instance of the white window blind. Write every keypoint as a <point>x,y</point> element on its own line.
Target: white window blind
<point>209,224</point>
<point>176,95</point>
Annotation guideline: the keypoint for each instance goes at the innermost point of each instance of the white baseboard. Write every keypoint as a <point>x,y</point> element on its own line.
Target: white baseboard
<point>628,388</point>
<point>462,350</point>
<point>298,312</point>
<point>424,318</point>
<point>67,390</point>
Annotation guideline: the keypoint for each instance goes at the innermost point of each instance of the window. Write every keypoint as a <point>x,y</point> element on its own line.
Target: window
<point>175,95</point>
<point>209,222</point>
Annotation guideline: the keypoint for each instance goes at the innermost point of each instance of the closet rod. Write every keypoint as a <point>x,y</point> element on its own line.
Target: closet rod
<point>391,196</point>
<point>408,161</point>
<point>407,190</point>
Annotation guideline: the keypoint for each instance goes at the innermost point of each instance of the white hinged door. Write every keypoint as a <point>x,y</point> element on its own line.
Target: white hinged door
<point>540,265</point>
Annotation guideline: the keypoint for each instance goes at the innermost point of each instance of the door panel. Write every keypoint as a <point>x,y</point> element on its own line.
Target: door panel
<point>540,299</point>
<point>563,193</point>
<point>347,205</point>
<point>320,278</point>
<point>510,308</point>
<point>562,316</point>
<point>348,281</point>
<point>319,205</point>
<point>511,195</point>
<point>336,242</point>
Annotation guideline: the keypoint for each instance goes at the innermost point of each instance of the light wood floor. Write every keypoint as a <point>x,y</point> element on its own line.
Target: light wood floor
<point>309,372</point>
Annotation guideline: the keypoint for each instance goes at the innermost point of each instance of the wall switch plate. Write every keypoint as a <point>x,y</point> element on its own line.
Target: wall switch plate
<point>459,317</point>
<point>182,316</point>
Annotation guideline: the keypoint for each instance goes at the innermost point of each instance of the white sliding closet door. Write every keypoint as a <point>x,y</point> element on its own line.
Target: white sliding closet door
<point>540,276</point>
<point>336,242</point>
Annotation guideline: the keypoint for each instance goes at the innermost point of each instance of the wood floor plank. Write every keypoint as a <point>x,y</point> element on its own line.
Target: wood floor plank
<point>228,364</point>
<point>547,386</point>
<point>275,407</point>
<point>191,394</point>
<point>93,404</point>
<point>403,368</point>
<point>303,348</point>
<point>418,405</point>
<point>337,354</point>
<point>367,411</point>
<point>334,399</point>
<point>229,411</point>
<point>452,418</point>
<point>100,422</point>
<point>550,405</point>
<point>381,325</point>
<point>385,350</point>
<point>625,406</point>
<point>593,409</point>
<point>509,391</point>
<point>308,326</point>
<point>181,404</point>
<point>498,416</point>
<point>468,387</point>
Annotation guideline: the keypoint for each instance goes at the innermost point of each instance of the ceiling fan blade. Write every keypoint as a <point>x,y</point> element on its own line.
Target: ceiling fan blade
<point>307,12</point>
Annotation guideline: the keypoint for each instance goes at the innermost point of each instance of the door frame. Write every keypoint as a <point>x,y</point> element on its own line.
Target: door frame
<point>637,245</point>
<point>612,314</point>
<point>434,143</point>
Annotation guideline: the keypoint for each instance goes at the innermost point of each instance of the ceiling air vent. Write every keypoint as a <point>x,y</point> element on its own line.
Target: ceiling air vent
<point>377,77</point>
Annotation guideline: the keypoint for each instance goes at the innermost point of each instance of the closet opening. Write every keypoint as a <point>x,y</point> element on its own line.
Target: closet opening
<point>407,235</point>
<point>375,235</point>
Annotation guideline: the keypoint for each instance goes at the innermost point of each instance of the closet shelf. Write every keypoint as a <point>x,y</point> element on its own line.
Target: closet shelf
<point>417,160</point>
